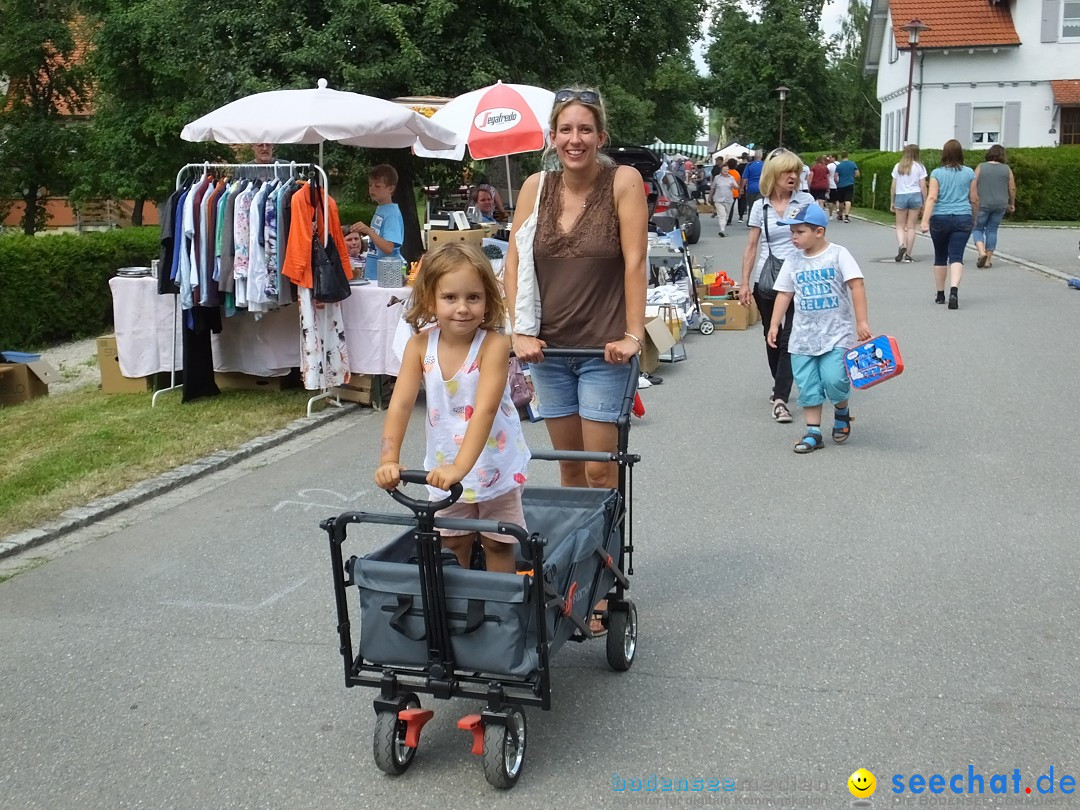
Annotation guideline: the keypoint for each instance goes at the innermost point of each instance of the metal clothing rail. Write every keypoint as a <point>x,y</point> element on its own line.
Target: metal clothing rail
<point>326,393</point>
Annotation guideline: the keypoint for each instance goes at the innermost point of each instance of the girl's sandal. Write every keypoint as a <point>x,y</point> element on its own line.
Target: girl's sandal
<point>809,443</point>
<point>840,434</point>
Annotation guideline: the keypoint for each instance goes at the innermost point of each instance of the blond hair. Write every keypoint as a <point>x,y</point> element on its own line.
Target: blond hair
<point>446,259</point>
<point>777,164</point>
<point>908,159</point>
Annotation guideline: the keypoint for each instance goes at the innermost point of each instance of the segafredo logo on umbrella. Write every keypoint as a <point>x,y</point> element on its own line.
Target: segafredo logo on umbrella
<point>498,119</point>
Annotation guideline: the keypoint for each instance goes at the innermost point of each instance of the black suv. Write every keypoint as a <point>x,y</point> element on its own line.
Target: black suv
<point>668,195</point>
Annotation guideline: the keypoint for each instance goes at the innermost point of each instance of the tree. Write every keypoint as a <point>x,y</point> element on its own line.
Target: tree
<point>858,110</point>
<point>41,42</point>
<point>147,87</point>
<point>751,54</point>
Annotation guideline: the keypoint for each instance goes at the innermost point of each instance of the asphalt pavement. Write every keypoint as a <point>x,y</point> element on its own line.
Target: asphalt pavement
<point>906,602</point>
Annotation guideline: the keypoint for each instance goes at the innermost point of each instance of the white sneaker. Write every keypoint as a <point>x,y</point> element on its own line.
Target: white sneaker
<point>643,382</point>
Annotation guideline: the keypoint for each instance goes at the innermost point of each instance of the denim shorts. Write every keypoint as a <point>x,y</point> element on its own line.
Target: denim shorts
<point>912,200</point>
<point>589,387</point>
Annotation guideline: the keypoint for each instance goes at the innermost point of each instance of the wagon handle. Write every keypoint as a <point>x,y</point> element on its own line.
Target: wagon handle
<point>420,477</point>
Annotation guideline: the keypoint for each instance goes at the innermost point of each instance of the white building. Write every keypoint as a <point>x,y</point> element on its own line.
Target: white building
<point>984,71</point>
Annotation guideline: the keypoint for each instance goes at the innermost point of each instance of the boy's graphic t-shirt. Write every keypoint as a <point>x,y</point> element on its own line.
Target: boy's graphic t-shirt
<point>824,315</point>
<point>387,223</point>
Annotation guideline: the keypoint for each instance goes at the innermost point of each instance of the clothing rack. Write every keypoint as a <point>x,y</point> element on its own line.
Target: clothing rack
<point>292,166</point>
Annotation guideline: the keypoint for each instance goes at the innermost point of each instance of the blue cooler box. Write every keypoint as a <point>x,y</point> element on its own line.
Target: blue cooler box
<point>874,362</point>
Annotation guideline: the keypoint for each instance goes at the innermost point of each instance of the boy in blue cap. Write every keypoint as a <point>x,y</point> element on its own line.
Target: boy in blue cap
<point>830,312</point>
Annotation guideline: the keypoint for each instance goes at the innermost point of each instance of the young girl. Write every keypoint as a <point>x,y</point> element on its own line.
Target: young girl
<point>473,431</point>
<point>908,193</point>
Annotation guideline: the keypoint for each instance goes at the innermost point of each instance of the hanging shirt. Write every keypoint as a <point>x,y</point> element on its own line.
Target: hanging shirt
<point>297,265</point>
<point>504,461</point>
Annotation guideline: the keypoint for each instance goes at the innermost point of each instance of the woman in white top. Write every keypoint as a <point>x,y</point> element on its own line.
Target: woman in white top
<point>779,194</point>
<point>907,195</point>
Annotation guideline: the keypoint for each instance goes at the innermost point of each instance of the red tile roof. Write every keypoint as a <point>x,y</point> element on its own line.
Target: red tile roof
<point>954,23</point>
<point>1066,91</point>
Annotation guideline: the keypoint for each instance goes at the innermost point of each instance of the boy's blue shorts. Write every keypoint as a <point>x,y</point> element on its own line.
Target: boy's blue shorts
<point>821,377</point>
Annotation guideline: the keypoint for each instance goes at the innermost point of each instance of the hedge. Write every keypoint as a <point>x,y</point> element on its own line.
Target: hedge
<point>56,288</point>
<point>1046,178</point>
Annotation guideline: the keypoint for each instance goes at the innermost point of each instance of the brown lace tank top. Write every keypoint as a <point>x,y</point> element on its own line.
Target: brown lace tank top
<point>580,272</point>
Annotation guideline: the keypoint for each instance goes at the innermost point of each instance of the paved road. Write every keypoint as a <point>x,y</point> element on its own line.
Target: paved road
<point>907,602</point>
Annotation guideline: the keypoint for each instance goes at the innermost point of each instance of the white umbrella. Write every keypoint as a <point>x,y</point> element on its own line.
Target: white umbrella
<point>318,115</point>
<point>495,121</point>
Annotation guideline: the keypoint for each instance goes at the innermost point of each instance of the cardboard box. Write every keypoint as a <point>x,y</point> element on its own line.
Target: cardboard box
<point>658,341</point>
<point>436,237</point>
<point>235,381</point>
<point>112,379</point>
<point>362,389</point>
<point>20,382</point>
<point>726,313</point>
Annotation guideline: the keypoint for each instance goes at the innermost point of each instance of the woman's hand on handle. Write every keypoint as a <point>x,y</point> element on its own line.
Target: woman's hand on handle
<point>529,349</point>
<point>620,351</point>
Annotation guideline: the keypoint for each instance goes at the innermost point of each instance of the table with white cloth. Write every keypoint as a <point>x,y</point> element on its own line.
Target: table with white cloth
<point>149,338</point>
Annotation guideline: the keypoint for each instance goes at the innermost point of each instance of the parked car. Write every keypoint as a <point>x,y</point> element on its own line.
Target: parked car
<point>668,195</point>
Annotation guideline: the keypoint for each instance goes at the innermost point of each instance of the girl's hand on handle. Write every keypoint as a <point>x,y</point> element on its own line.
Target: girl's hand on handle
<point>388,476</point>
<point>619,352</point>
<point>863,329</point>
<point>528,349</point>
<point>445,476</point>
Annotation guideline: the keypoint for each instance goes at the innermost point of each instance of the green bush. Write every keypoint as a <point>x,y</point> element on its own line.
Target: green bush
<point>56,288</point>
<point>1045,179</point>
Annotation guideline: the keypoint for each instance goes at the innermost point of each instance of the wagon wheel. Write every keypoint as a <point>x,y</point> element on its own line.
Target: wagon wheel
<point>504,750</point>
<point>622,637</point>
<point>392,756</point>
<point>706,327</point>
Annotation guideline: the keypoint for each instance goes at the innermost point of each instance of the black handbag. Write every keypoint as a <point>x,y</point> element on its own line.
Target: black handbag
<point>771,269</point>
<point>328,280</point>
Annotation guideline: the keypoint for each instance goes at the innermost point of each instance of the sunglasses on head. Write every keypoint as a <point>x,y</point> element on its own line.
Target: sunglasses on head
<point>777,151</point>
<point>585,96</point>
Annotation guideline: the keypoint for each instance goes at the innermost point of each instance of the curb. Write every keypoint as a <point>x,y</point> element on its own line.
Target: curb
<point>1046,270</point>
<point>81,516</point>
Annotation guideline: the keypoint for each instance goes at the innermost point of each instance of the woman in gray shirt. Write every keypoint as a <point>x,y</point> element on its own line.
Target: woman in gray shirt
<point>997,195</point>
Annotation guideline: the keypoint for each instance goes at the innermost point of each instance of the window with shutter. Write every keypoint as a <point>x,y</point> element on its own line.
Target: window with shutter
<point>1070,20</point>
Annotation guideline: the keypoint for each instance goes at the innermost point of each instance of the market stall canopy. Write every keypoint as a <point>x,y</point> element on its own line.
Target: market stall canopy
<point>686,150</point>
<point>318,115</point>
<point>494,121</point>
<point>733,150</point>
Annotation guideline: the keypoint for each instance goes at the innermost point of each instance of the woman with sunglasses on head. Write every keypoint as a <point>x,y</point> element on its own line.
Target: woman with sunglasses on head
<point>589,253</point>
<point>779,193</point>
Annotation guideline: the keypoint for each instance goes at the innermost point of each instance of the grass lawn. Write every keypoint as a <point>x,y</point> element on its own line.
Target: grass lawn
<point>66,450</point>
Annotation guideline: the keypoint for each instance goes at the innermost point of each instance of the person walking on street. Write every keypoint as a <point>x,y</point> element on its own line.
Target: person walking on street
<point>751,183</point>
<point>907,195</point>
<point>819,181</point>
<point>951,207</point>
<point>779,189</point>
<point>996,186</point>
<point>826,285</point>
<point>846,174</point>
<point>722,197</point>
<point>739,173</point>
<point>830,164</point>
<point>739,201</point>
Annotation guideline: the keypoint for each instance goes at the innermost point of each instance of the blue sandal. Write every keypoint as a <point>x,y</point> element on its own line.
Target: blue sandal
<point>810,442</point>
<point>841,428</point>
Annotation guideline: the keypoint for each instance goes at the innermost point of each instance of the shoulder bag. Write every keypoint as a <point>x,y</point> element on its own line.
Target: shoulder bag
<point>527,300</point>
<point>328,280</point>
<point>771,268</point>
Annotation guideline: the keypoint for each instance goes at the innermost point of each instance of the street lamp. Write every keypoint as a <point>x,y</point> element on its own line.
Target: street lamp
<point>913,28</point>
<point>783,91</point>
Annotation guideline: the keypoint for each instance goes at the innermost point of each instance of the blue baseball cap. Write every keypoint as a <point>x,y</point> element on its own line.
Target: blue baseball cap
<point>812,214</point>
